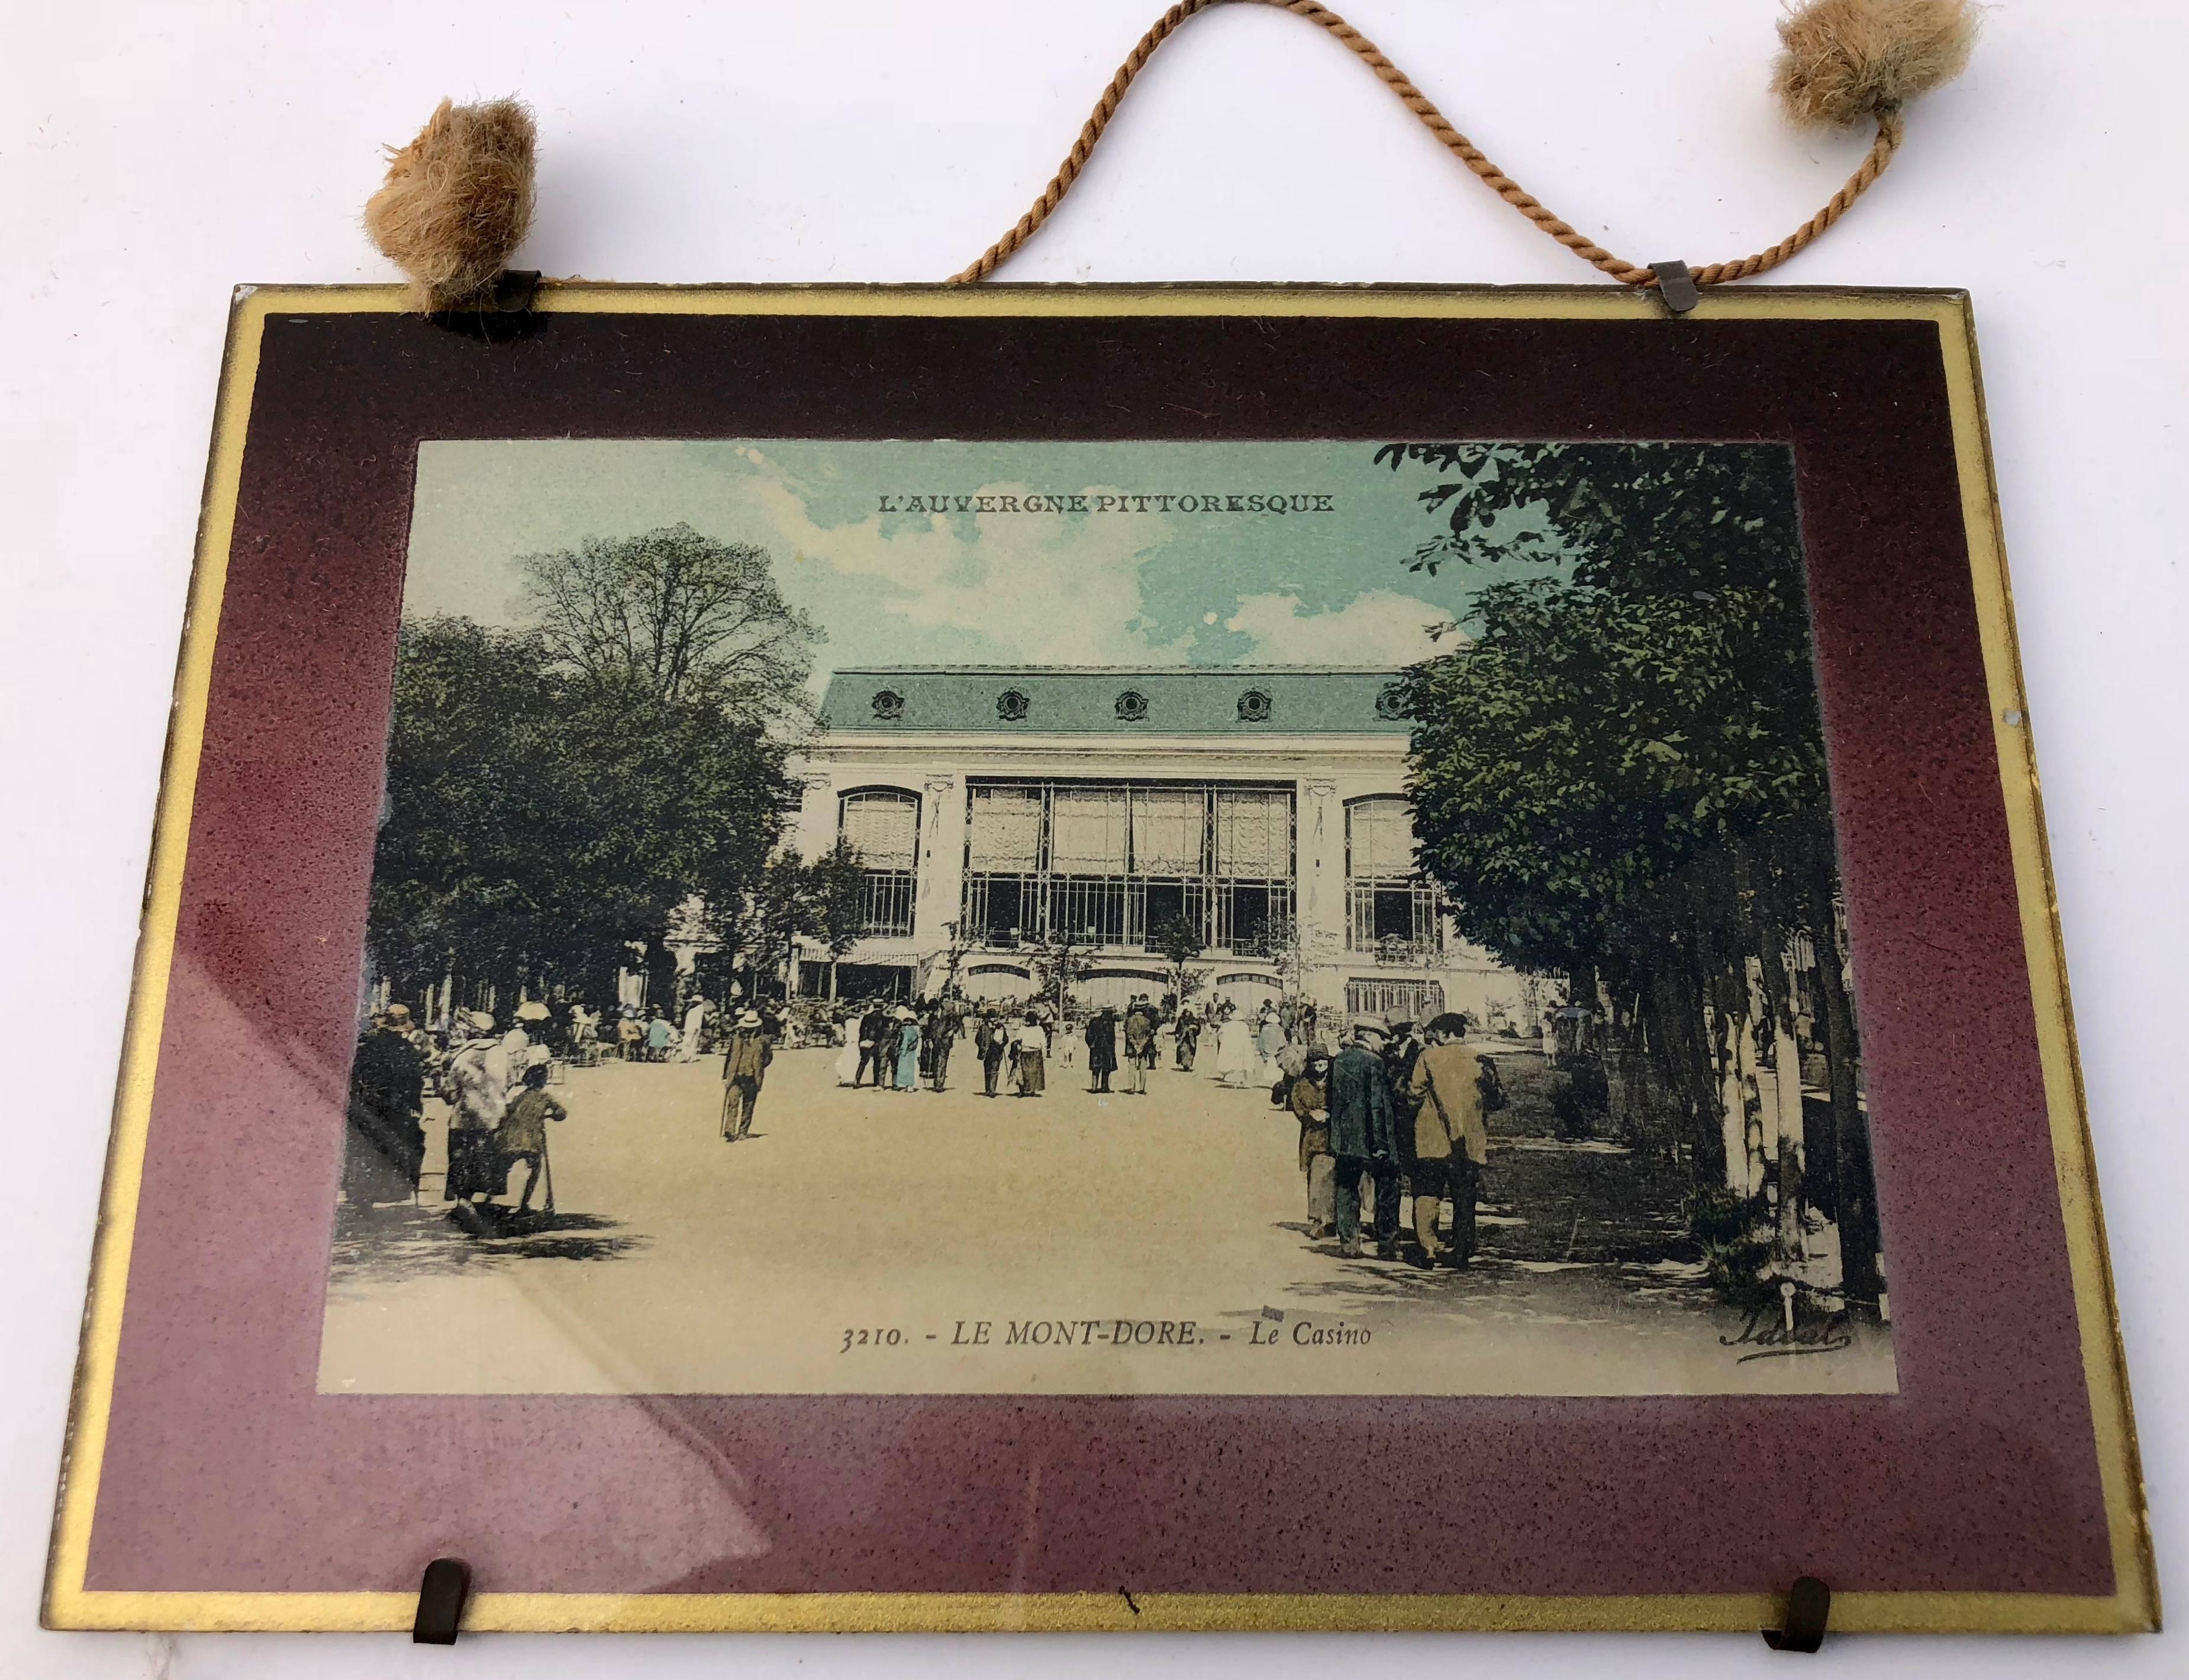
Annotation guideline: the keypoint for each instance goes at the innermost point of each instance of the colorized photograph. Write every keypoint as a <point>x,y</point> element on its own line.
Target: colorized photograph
<point>931,917</point>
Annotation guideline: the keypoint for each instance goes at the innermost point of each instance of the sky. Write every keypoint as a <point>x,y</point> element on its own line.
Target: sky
<point>1127,585</point>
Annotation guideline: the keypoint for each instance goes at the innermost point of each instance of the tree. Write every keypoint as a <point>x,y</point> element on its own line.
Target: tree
<point>837,895</point>
<point>1058,958</point>
<point>679,613</point>
<point>788,901</point>
<point>1295,949</point>
<point>542,820</point>
<point>1177,940</point>
<point>1622,773</point>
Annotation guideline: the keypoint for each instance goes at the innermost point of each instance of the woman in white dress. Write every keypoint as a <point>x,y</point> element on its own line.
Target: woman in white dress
<point>847,1058</point>
<point>1269,1039</point>
<point>1235,1053</point>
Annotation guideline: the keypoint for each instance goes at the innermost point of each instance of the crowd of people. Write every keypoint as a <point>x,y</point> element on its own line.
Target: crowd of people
<point>494,1082</point>
<point>1385,1111</point>
<point>1397,1110</point>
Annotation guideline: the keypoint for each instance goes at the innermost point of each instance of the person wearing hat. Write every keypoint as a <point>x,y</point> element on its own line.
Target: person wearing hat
<point>745,1066</point>
<point>1235,1047</point>
<point>1308,1099</point>
<point>1401,1048</point>
<point>1101,1048</point>
<point>1364,1139</point>
<point>523,1133</point>
<point>1185,1038</point>
<point>877,1046</point>
<point>1451,1144</point>
<point>659,1036</point>
<point>385,1146</point>
<point>1139,1033</point>
<point>942,1026</point>
<point>907,1050</point>
<point>991,1037</point>
<point>477,1084</point>
<point>1032,1040</point>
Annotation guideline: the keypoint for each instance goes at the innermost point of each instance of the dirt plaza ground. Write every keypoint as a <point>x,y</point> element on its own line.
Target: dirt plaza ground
<point>869,1241</point>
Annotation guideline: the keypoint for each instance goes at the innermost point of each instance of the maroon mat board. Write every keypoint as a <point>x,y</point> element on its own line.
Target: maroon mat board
<point>224,1471</point>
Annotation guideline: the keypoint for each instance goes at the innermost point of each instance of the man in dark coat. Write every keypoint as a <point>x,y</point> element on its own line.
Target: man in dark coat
<point>877,1046</point>
<point>387,1141</point>
<point>993,1039</point>
<point>1101,1049</point>
<point>1400,1051</point>
<point>938,1039</point>
<point>1364,1138</point>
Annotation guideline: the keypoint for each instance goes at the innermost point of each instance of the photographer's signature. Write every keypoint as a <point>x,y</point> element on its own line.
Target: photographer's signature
<point>1773,1337</point>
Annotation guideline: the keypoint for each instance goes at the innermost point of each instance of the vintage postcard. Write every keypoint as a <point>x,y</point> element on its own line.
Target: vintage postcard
<point>1299,917</point>
<point>918,958</point>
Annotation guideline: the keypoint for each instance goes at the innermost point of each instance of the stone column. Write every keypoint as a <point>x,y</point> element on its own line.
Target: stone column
<point>1320,888</point>
<point>941,860</point>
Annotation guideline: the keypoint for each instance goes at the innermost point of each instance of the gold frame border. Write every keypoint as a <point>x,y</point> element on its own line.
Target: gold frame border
<point>2133,1606</point>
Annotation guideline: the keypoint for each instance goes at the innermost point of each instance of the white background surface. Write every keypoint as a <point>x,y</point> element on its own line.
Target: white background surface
<point>152,156</point>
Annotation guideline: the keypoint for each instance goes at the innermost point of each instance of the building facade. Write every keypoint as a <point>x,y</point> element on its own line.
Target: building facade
<point>1002,812</point>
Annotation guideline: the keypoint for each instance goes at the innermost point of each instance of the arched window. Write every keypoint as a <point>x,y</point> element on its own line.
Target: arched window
<point>883,825</point>
<point>1390,909</point>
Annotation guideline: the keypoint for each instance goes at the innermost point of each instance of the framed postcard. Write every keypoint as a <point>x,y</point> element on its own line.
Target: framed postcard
<point>1100,958</point>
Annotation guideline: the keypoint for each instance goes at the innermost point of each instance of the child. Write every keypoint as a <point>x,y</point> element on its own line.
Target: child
<point>523,1133</point>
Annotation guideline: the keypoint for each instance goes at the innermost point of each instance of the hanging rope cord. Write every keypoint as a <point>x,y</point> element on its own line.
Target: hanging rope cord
<point>1890,130</point>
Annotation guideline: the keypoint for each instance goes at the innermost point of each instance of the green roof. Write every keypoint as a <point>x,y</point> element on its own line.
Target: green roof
<point>1112,700</point>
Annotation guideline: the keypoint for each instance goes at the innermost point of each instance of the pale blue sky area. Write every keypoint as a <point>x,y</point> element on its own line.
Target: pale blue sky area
<point>1132,586</point>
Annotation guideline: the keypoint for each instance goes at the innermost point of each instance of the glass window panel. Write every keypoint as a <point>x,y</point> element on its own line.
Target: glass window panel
<point>884,827</point>
<point>1382,835</point>
<point>1167,830</point>
<point>1006,828</point>
<point>1090,912</point>
<point>1087,832</point>
<point>1253,834</point>
<point>886,902</point>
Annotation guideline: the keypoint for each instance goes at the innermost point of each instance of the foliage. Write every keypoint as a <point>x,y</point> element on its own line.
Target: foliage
<point>1058,958</point>
<point>835,898</point>
<point>1605,732</point>
<point>1619,773</point>
<point>680,614</point>
<point>541,819</point>
<point>1734,1258</point>
<point>1177,940</point>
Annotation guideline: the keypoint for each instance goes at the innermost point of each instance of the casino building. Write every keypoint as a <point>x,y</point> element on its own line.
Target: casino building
<point>995,807</point>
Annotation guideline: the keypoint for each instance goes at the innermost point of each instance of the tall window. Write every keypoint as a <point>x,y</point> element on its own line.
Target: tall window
<point>1110,862</point>
<point>1390,910</point>
<point>884,825</point>
<point>1253,871</point>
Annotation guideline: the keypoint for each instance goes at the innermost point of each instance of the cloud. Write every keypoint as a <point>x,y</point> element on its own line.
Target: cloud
<point>1030,589</point>
<point>1377,627</point>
